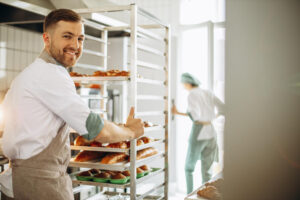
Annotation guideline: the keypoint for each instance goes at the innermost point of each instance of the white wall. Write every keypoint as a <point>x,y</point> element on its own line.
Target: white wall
<point>18,48</point>
<point>262,123</point>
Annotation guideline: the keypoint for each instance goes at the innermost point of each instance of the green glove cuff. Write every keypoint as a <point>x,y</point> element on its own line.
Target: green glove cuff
<point>94,124</point>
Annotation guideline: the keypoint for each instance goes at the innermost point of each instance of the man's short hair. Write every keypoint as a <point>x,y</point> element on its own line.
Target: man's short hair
<point>60,15</point>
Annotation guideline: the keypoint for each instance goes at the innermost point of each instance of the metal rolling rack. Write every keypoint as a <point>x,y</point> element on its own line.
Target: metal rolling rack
<point>135,32</point>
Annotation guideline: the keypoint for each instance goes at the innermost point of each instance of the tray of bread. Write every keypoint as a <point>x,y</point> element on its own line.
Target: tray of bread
<point>115,179</point>
<point>112,160</point>
<point>111,75</point>
<point>144,142</point>
<point>209,191</point>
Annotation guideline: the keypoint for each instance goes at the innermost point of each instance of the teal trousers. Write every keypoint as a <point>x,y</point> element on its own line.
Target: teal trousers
<point>204,150</point>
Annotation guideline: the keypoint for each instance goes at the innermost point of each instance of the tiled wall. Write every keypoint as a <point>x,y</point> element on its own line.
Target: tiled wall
<point>18,48</point>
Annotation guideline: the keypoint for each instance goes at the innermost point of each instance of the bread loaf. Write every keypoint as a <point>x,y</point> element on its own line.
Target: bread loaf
<point>81,141</point>
<point>88,156</point>
<point>120,145</point>
<point>209,192</point>
<point>145,153</point>
<point>113,158</point>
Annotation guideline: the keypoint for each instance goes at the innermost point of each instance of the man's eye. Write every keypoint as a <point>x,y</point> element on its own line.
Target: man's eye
<point>67,36</point>
<point>80,39</point>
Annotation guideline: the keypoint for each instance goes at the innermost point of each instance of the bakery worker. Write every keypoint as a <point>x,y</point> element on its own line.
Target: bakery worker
<point>39,108</point>
<point>202,140</point>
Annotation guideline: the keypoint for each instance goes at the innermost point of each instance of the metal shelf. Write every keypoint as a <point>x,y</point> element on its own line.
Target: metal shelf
<point>110,185</point>
<point>150,49</point>
<point>150,81</point>
<point>86,66</point>
<point>100,78</point>
<point>149,113</point>
<point>114,167</point>
<point>117,150</point>
<point>89,37</point>
<point>150,97</point>
<point>149,65</point>
<point>94,53</point>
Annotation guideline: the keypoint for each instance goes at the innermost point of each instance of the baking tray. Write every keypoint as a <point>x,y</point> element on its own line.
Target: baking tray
<point>118,150</point>
<point>122,166</point>
<point>110,185</point>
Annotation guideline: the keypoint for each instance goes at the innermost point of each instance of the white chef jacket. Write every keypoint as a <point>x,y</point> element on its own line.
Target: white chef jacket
<point>40,99</point>
<point>201,106</point>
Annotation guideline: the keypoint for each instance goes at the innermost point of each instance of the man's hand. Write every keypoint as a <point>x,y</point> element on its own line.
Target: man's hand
<point>135,125</point>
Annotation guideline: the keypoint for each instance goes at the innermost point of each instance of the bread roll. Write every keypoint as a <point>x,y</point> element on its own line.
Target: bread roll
<point>145,153</point>
<point>81,141</point>
<point>88,156</point>
<point>113,158</point>
<point>96,144</point>
<point>118,176</point>
<point>119,145</point>
<point>209,192</point>
<point>146,140</point>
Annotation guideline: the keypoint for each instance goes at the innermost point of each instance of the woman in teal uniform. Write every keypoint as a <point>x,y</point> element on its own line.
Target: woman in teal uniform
<point>202,143</point>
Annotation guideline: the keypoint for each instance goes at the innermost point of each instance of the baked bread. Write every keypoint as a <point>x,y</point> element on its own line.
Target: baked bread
<point>81,141</point>
<point>139,170</point>
<point>139,142</point>
<point>95,171</point>
<point>209,192</point>
<point>113,158</point>
<point>84,156</point>
<point>145,168</point>
<point>217,183</point>
<point>103,175</point>
<point>146,140</point>
<point>85,173</point>
<point>147,124</point>
<point>118,176</point>
<point>119,145</point>
<point>96,144</point>
<point>145,153</point>
<point>126,173</point>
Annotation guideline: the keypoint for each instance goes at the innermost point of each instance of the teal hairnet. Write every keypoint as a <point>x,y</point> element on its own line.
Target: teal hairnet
<point>189,78</point>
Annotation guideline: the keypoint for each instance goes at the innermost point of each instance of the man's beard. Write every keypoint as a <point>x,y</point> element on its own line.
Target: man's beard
<point>60,57</point>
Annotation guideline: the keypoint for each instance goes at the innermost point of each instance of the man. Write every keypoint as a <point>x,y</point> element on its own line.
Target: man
<point>41,104</point>
<point>202,141</point>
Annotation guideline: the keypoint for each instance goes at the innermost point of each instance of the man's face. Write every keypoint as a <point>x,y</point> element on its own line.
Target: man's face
<point>64,41</point>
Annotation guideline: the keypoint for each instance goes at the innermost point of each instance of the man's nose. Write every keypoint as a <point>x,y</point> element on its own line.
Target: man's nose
<point>75,43</point>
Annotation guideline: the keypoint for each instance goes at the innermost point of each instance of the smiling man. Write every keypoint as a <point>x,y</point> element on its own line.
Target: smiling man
<point>39,108</point>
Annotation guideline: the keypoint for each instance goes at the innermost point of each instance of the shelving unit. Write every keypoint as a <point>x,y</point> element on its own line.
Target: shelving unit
<point>135,32</point>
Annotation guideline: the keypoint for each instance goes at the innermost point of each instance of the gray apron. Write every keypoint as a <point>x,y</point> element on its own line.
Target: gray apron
<point>43,176</point>
<point>205,150</point>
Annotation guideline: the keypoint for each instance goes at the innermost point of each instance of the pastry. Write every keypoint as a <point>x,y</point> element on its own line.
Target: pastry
<point>120,145</point>
<point>118,176</point>
<point>99,73</point>
<point>126,173</point>
<point>217,183</point>
<point>209,192</point>
<point>96,144</point>
<point>95,86</point>
<point>146,140</point>
<point>145,168</point>
<point>81,141</point>
<point>95,171</point>
<point>147,124</point>
<point>84,156</point>
<point>139,142</point>
<point>85,173</point>
<point>113,158</point>
<point>103,175</point>
<point>146,153</point>
<point>139,170</point>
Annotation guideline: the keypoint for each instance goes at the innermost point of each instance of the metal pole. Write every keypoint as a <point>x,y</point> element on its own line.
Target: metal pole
<point>104,64</point>
<point>167,108</point>
<point>133,94</point>
<point>210,50</point>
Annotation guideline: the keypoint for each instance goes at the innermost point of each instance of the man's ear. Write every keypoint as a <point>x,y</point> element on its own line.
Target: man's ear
<point>47,39</point>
